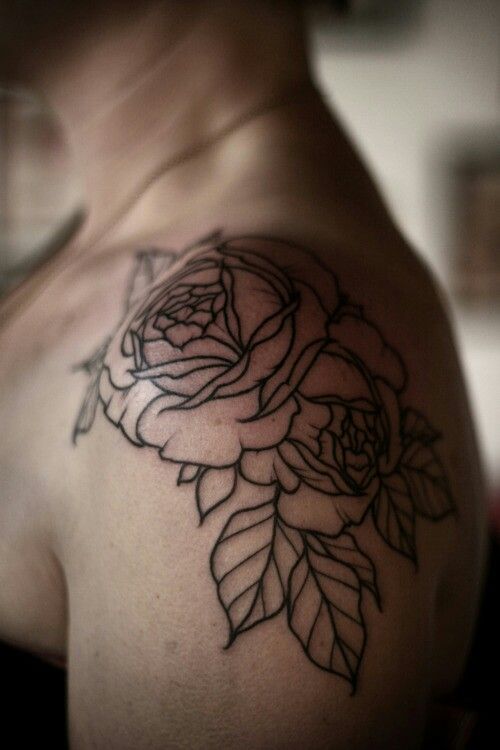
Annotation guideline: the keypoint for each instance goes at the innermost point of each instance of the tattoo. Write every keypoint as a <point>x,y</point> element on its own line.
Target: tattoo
<point>245,371</point>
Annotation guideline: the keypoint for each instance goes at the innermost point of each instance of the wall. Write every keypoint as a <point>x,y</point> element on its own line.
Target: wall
<point>406,104</point>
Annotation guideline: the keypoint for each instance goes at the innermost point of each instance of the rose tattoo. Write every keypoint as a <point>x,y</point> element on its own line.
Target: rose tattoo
<point>241,361</point>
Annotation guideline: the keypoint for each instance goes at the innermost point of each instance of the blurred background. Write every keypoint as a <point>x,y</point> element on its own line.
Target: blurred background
<point>417,84</point>
<point>419,91</point>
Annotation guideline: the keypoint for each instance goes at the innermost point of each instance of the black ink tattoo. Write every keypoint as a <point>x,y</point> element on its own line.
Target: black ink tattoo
<point>243,370</point>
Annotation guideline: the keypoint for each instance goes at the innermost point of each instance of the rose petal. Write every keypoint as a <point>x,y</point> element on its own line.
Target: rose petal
<point>312,470</point>
<point>359,466</point>
<point>162,322</point>
<point>239,256</point>
<point>124,406</point>
<point>230,375</point>
<point>392,416</point>
<point>333,376</point>
<point>201,275</point>
<point>203,289</point>
<point>208,305</point>
<point>150,330</point>
<point>309,421</point>
<point>310,334</point>
<point>258,466</point>
<point>190,384</point>
<point>266,467</point>
<point>200,317</point>
<point>218,330</point>
<point>252,369</point>
<point>301,265</point>
<point>181,333</point>
<point>270,430</point>
<point>321,513</point>
<point>288,480</point>
<point>273,324</point>
<point>119,360</point>
<point>213,433</point>
<point>201,279</point>
<point>249,285</point>
<point>331,451</point>
<point>231,319</point>
<point>180,367</point>
<point>178,299</point>
<point>181,315</point>
<point>261,361</point>
<point>169,292</point>
<point>162,352</point>
<point>365,341</point>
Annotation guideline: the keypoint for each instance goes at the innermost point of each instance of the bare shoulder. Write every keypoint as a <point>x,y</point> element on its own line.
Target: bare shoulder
<point>285,417</point>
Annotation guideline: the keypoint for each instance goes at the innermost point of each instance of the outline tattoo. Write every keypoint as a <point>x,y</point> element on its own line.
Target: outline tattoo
<point>245,371</point>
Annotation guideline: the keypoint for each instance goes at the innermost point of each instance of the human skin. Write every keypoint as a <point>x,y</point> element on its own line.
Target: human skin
<point>105,532</point>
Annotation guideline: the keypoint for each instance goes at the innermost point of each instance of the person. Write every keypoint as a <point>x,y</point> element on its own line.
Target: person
<point>240,490</point>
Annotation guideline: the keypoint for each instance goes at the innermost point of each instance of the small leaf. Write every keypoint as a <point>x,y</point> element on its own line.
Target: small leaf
<point>93,367</point>
<point>86,415</point>
<point>137,348</point>
<point>427,482</point>
<point>344,548</point>
<point>414,426</point>
<point>149,265</point>
<point>324,613</point>
<point>188,473</point>
<point>394,516</point>
<point>251,563</point>
<point>213,488</point>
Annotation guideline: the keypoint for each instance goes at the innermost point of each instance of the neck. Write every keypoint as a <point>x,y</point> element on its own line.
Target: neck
<point>141,91</point>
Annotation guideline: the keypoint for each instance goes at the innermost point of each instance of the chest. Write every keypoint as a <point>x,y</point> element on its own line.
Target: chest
<point>41,383</point>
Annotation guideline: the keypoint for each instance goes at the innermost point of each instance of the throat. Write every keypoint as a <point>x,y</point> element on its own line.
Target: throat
<point>225,160</point>
<point>140,100</point>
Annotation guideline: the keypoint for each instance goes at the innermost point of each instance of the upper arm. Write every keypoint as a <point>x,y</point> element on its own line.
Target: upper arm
<point>270,406</point>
